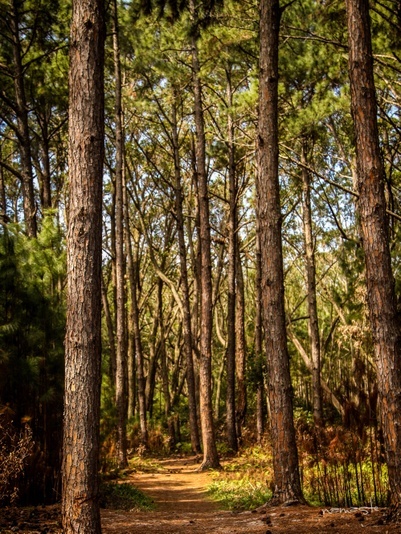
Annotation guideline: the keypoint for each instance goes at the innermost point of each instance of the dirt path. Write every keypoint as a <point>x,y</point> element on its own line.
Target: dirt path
<point>183,507</point>
<point>178,483</point>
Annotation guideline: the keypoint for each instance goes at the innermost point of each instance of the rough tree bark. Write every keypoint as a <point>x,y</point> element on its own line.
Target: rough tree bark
<point>133,275</point>
<point>313,325</point>
<point>131,364</point>
<point>187,331</point>
<point>121,323</point>
<point>110,332</point>
<point>231,275</point>
<point>3,201</point>
<point>240,344</point>
<point>371,204</point>
<point>210,455</point>
<point>258,340</point>
<point>287,485</point>
<point>80,506</point>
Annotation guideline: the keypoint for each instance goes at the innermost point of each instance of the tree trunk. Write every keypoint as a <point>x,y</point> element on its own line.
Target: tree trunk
<point>194,250</point>
<point>287,485</point>
<point>133,274</point>
<point>110,333</point>
<point>3,201</point>
<point>210,456</point>
<point>193,415</point>
<point>121,330</point>
<point>153,358</point>
<point>23,127</point>
<point>131,363</point>
<point>313,324</point>
<point>231,275</point>
<point>258,337</point>
<point>163,353</point>
<point>46,195</point>
<point>43,170</point>
<point>374,228</point>
<point>80,506</point>
<point>240,356</point>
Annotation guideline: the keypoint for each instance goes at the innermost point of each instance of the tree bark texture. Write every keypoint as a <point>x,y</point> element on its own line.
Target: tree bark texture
<point>121,323</point>
<point>313,325</point>
<point>258,340</point>
<point>133,270</point>
<point>131,363</point>
<point>210,455</point>
<point>240,344</point>
<point>163,353</point>
<point>285,458</point>
<point>110,332</point>
<point>374,228</point>
<point>231,275</point>
<point>80,507</point>
<point>153,363</point>
<point>186,320</point>
<point>3,201</point>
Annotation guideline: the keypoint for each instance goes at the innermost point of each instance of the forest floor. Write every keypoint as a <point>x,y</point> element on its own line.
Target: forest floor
<point>182,506</point>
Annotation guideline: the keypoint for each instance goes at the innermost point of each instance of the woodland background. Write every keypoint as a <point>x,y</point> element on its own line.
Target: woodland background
<point>144,389</point>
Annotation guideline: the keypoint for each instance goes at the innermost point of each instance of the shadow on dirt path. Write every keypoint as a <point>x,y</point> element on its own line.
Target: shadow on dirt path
<point>183,507</point>
<point>182,504</point>
<point>177,487</point>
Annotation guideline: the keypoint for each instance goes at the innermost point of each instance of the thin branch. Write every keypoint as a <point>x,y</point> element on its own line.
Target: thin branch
<point>331,182</point>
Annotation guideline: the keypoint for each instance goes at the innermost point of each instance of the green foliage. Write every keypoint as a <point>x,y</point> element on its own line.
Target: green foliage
<point>32,319</point>
<point>124,496</point>
<point>244,482</point>
<point>338,467</point>
<point>144,464</point>
<point>241,494</point>
<point>31,315</point>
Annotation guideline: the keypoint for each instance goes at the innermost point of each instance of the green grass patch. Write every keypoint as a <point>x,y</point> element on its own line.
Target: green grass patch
<point>239,494</point>
<point>255,460</point>
<point>243,483</point>
<point>344,471</point>
<point>144,464</point>
<point>124,496</point>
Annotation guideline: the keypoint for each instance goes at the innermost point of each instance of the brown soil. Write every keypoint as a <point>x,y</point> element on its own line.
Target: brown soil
<point>183,507</point>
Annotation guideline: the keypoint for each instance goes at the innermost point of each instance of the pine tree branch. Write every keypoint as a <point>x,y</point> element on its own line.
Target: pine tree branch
<point>331,182</point>
<point>10,169</point>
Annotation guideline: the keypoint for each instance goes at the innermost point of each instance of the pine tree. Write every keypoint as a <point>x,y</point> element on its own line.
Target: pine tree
<point>80,506</point>
<point>287,485</point>
<point>382,303</point>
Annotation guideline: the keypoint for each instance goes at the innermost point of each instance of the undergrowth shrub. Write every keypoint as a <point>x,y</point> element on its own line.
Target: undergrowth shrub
<point>342,466</point>
<point>245,482</point>
<point>15,449</point>
<point>124,496</point>
<point>240,494</point>
<point>143,464</point>
<point>339,467</point>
